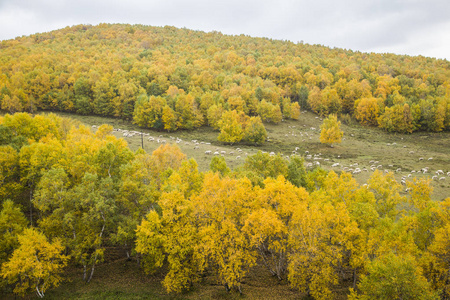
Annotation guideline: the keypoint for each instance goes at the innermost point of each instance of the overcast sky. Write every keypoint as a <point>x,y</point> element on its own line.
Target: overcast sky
<point>413,27</point>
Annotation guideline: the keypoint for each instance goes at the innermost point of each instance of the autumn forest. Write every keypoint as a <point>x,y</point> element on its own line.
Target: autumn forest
<point>69,193</point>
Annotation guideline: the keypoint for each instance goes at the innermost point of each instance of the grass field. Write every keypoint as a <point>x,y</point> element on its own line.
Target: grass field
<point>360,145</point>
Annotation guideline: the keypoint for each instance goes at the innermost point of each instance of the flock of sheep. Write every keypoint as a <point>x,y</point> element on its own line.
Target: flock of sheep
<point>311,160</point>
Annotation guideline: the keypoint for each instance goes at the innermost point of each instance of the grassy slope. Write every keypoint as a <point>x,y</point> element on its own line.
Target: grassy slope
<point>360,145</point>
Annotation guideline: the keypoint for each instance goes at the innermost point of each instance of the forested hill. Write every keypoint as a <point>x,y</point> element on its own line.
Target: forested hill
<point>168,78</point>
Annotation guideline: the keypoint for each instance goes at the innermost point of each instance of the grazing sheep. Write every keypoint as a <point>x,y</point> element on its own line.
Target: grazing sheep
<point>434,177</point>
<point>420,158</point>
<point>216,153</point>
<point>442,178</point>
<point>430,158</point>
<point>208,152</point>
<point>238,157</point>
<point>335,165</point>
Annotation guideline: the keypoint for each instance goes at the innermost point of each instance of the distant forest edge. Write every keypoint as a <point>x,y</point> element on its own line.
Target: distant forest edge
<point>167,78</point>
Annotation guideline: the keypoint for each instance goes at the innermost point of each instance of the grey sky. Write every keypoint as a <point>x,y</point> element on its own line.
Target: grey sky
<point>413,27</point>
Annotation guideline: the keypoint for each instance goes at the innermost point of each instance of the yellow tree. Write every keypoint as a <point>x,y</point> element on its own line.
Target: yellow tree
<point>439,249</point>
<point>166,156</point>
<point>330,131</point>
<point>312,261</point>
<point>231,130</point>
<point>172,236</point>
<point>324,240</point>
<point>268,224</point>
<point>221,208</point>
<point>169,119</point>
<point>36,264</point>
<point>367,111</point>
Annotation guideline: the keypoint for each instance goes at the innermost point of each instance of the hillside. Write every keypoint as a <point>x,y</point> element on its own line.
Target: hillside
<point>167,79</point>
<point>168,163</point>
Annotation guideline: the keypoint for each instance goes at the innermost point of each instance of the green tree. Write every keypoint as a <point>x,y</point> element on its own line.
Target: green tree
<point>296,171</point>
<point>264,165</point>
<point>12,223</point>
<point>394,277</point>
<point>218,164</point>
<point>255,132</point>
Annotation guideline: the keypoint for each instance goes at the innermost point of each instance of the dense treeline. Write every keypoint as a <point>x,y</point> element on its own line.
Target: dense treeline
<point>167,78</point>
<point>67,193</point>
